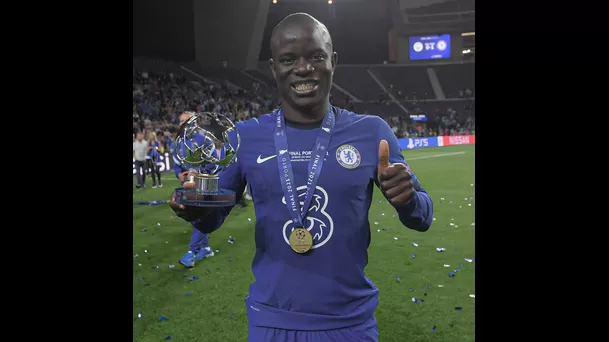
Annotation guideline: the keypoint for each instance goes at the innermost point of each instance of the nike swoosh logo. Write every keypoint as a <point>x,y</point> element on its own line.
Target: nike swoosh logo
<point>262,160</point>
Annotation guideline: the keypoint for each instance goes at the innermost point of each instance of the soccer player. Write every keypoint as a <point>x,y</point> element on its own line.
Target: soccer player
<point>199,248</point>
<point>312,169</point>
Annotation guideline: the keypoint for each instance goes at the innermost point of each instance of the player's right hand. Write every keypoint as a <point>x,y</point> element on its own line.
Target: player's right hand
<point>188,213</point>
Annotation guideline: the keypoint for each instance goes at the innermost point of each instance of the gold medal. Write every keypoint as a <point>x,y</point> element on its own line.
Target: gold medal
<point>301,240</point>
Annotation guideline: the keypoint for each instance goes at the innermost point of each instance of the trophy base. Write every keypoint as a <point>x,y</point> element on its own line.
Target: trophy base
<point>198,198</point>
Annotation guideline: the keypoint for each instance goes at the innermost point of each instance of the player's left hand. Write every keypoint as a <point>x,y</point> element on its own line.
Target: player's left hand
<point>394,179</point>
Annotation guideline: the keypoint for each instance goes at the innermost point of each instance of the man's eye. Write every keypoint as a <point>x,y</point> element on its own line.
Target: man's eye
<point>319,57</point>
<point>286,60</point>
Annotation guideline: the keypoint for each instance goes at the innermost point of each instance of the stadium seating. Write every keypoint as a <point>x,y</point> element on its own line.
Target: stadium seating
<point>393,92</point>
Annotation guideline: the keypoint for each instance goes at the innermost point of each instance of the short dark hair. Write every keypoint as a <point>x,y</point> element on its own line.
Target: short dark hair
<point>299,18</point>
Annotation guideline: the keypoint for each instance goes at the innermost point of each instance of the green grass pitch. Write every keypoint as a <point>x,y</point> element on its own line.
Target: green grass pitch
<point>212,308</point>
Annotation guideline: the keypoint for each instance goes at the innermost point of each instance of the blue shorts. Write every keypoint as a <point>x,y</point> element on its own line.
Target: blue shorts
<point>365,332</point>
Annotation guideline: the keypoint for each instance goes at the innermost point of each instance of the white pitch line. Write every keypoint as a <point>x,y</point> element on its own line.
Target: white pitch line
<point>436,155</point>
<point>407,159</point>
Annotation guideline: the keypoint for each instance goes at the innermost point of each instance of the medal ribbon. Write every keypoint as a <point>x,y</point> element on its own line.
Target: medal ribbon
<point>285,166</point>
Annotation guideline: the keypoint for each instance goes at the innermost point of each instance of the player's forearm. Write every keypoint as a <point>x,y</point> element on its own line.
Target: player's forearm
<point>418,213</point>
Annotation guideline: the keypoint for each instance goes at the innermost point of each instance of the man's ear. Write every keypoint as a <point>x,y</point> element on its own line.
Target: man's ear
<point>334,60</point>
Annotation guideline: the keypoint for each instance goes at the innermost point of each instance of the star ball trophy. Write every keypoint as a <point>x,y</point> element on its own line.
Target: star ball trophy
<point>203,146</point>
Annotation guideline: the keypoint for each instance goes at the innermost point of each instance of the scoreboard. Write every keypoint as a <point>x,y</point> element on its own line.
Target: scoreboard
<point>429,47</point>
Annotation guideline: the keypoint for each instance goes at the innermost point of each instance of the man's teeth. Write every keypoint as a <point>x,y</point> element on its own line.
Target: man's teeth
<point>304,86</point>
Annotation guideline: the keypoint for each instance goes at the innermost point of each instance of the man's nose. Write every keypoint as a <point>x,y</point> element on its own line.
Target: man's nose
<point>303,67</point>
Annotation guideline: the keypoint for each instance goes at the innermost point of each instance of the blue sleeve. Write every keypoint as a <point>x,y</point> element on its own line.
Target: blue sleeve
<point>418,213</point>
<point>230,179</point>
<point>177,166</point>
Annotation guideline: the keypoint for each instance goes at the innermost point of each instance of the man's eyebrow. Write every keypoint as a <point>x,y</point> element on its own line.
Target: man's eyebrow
<point>285,54</point>
<point>318,50</point>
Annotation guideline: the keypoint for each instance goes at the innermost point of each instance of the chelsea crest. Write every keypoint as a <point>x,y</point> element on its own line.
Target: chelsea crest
<point>348,156</point>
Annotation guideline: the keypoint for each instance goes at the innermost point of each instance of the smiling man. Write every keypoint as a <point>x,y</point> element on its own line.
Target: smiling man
<point>305,88</point>
<point>312,168</point>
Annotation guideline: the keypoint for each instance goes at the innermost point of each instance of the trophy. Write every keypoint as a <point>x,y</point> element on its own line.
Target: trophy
<point>204,147</point>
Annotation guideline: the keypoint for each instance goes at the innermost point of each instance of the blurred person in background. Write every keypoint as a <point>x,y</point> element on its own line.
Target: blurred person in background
<point>165,141</point>
<point>153,156</point>
<point>140,149</point>
<point>199,248</point>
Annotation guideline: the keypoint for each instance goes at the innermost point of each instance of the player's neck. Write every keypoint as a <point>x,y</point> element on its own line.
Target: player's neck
<point>299,116</point>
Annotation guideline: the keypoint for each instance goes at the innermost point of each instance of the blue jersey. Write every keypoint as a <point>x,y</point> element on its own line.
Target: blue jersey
<point>168,142</point>
<point>326,288</point>
<point>154,153</point>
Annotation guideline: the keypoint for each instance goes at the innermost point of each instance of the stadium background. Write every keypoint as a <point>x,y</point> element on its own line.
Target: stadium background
<point>195,55</point>
<point>385,78</point>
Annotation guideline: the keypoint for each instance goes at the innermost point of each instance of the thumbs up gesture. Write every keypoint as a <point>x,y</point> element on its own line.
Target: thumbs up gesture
<point>395,180</point>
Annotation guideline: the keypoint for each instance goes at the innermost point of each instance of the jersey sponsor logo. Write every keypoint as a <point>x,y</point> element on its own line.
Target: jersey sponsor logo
<point>317,221</point>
